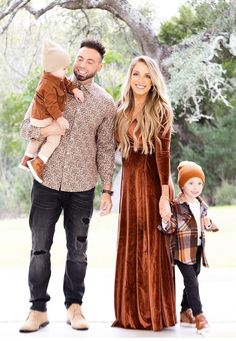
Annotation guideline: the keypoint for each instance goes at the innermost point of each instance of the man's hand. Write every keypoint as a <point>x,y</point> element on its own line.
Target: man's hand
<point>63,123</point>
<point>106,204</point>
<point>52,129</point>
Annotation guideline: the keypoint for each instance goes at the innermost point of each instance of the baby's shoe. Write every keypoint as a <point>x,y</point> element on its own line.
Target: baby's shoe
<point>36,167</point>
<point>23,164</point>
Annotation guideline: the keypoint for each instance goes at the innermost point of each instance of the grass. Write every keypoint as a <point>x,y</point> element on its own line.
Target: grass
<point>15,241</point>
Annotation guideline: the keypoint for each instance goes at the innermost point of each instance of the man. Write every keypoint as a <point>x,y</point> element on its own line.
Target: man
<point>70,176</point>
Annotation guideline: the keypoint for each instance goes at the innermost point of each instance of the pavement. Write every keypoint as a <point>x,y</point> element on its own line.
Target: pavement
<point>217,288</point>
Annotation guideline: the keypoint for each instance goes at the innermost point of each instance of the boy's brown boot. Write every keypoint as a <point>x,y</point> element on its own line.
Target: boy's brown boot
<point>35,320</point>
<point>36,167</point>
<point>187,319</point>
<point>201,324</point>
<point>23,164</point>
<point>75,317</point>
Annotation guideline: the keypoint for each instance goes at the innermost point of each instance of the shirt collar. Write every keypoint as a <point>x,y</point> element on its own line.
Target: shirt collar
<point>181,200</point>
<point>51,78</point>
<point>88,87</point>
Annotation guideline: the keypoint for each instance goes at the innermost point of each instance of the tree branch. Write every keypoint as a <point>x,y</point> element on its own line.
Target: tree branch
<point>139,25</point>
<point>12,9</point>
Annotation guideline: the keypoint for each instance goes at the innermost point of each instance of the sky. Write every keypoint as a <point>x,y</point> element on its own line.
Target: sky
<point>165,9</point>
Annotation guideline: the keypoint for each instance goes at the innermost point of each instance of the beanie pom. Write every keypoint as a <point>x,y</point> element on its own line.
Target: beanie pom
<point>182,164</point>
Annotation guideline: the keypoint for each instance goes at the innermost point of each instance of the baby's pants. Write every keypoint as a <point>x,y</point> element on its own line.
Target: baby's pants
<point>49,144</point>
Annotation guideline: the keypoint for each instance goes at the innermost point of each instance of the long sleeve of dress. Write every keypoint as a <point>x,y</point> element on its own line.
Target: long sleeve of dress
<point>163,158</point>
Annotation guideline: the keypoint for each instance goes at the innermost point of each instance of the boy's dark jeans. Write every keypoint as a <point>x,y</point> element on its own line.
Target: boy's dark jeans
<point>191,297</point>
<point>47,205</point>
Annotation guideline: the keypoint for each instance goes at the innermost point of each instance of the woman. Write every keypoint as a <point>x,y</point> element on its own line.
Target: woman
<point>144,283</point>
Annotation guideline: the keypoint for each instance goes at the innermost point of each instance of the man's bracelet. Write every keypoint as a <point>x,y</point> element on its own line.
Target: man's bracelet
<point>107,191</point>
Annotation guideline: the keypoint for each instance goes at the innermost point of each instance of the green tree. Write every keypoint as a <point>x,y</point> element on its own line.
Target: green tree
<point>14,184</point>
<point>213,146</point>
<point>205,127</point>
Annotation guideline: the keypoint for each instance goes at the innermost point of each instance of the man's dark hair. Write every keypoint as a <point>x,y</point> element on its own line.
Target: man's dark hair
<point>94,44</point>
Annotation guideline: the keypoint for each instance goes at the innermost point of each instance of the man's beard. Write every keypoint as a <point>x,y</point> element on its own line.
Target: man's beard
<point>83,78</point>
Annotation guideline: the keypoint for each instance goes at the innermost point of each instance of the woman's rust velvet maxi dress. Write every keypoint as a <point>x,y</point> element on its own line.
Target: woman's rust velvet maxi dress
<point>144,282</point>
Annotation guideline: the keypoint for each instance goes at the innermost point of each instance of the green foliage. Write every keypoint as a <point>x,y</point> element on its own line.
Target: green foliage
<point>214,15</point>
<point>225,194</point>
<point>113,57</point>
<point>213,146</point>
<point>180,27</point>
<point>202,71</point>
<point>15,183</point>
<point>188,85</point>
<point>192,19</point>
<point>202,79</point>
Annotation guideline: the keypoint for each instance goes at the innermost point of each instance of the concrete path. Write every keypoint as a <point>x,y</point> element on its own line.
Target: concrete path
<point>217,287</point>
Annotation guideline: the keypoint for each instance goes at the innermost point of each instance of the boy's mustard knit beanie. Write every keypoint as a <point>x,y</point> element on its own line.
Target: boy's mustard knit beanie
<point>54,57</point>
<point>187,170</point>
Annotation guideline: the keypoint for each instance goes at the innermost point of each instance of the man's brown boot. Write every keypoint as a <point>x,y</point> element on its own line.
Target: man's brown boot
<point>75,317</point>
<point>201,324</point>
<point>35,320</point>
<point>23,164</point>
<point>187,319</point>
<point>36,167</point>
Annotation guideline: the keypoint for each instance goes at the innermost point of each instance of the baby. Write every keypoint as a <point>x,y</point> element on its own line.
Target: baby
<point>48,105</point>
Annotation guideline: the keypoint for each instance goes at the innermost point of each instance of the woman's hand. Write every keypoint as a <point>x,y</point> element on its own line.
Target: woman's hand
<point>164,208</point>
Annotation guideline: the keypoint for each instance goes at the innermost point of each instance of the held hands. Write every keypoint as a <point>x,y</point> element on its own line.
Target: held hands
<point>164,208</point>
<point>78,94</point>
<point>63,123</point>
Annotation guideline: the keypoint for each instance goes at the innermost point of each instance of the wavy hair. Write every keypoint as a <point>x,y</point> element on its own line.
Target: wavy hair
<point>155,118</point>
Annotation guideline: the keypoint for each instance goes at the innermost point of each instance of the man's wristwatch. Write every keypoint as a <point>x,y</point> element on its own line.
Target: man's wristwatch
<point>107,191</point>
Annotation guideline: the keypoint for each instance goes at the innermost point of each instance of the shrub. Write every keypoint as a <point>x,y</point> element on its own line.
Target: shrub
<point>225,194</point>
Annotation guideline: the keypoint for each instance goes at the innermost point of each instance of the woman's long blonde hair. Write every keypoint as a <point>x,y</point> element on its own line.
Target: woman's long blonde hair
<point>155,118</point>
